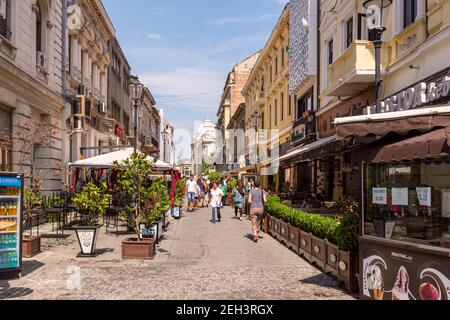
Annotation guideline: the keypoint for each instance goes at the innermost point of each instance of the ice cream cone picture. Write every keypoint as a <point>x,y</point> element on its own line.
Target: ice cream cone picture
<point>401,288</point>
<point>377,283</point>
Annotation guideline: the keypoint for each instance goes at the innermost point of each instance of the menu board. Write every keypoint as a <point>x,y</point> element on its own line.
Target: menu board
<point>390,272</point>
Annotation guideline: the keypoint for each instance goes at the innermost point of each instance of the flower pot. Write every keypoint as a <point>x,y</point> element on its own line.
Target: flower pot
<point>276,228</point>
<point>176,212</point>
<point>266,224</point>
<point>293,238</point>
<point>332,259</point>
<point>305,245</point>
<point>348,268</point>
<point>31,246</point>
<point>142,250</point>
<point>284,232</point>
<point>87,239</point>
<point>318,251</point>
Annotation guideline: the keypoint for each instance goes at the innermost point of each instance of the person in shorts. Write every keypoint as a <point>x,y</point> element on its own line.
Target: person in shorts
<point>191,187</point>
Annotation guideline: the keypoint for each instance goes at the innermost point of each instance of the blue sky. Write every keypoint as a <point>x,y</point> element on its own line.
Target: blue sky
<point>183,49</point>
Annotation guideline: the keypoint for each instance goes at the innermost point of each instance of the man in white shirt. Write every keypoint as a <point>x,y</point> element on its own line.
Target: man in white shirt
<point>216,202</point>
<point>191,186</point>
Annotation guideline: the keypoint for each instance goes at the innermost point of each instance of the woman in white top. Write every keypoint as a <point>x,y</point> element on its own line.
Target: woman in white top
<point>216,201</point>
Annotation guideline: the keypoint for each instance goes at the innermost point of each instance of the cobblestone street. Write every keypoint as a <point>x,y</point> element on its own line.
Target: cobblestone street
<point>196,260</point>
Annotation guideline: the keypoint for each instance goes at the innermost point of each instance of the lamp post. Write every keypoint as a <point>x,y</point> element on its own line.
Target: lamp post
<point>136,89</point>
<point>256,119</point>
<point>164,136</point>
<point>374,14</point>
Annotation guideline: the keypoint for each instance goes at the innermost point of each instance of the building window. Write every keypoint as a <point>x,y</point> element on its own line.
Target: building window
<point>276,112</point>
<point>270,115</point>
<point>262,85</point>
<point>349,32</point>
<point>5,19</point>
<point>282,57</point>
<point>409,12</point>
<point>282,106</point>
<point>330,51</point>
<point>5,141</point>
<point>305,104</point>
<point>276,66</point>
<point>39,31</point>
<point>263,121</point>
<point>271,74</point>
<point>290,104</point>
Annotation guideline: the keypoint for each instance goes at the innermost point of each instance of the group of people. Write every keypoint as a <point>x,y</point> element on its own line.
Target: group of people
<point>214,193</point>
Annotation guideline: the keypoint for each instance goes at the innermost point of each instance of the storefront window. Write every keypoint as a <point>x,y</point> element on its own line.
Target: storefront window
<point>408,202</point>
<point>5,141</point>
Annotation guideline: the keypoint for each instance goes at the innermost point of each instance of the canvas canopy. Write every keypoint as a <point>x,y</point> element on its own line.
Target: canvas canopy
<point>106,161</point>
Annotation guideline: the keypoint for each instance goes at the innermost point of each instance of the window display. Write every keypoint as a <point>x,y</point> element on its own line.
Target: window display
<point>408,202</point>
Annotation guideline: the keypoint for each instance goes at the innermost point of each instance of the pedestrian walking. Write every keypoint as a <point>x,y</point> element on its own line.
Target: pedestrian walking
<point>191,187</point>
<point>207,190</point>
<point>239,193</point>
<point>216,202</point>
<point>257,198</point>
<point>201,191</point>
<point>223,186</point>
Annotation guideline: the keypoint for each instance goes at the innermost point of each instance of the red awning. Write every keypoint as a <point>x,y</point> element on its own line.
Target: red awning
<point>430,145</point>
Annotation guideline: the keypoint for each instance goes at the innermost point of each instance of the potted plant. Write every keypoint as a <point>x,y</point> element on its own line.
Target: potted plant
<point>91,203</point>
<point>133,180</point>
<point>31,244</point>
<point>180,189</point>
<point>346,237</point>
<point>232,183</point>
<point>158,206</point>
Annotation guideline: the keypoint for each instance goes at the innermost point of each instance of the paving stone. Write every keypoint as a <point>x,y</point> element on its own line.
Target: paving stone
<point>197,260</point>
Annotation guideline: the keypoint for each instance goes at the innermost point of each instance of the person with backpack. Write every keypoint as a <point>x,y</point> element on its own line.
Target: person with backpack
<point>257,199</point>
<point>239,194</point>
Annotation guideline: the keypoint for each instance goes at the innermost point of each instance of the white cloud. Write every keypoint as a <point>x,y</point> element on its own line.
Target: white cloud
<point>235,20</point>
<point>187,83</point>
<point>154,36</point>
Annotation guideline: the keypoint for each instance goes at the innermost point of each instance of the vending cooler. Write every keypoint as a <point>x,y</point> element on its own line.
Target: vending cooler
<point>11,207</point>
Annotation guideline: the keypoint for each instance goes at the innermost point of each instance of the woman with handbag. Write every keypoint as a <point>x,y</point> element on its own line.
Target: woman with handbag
<point>238,194</point>
<point>257,198</point>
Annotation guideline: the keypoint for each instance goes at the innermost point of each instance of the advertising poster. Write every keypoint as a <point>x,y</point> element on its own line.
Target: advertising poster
<point>379,196</point>
<point>445,203</point>
<point>399,196</point>
<point>424,195</point>
<point>392,273</point>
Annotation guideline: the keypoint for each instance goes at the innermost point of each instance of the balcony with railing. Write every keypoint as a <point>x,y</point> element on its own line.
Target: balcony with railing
<point>354,70</point>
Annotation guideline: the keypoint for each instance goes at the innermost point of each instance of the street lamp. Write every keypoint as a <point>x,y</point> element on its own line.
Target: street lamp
<point>164,136</point>
<point>256,119</point>
<point>374,14</point>
<point>136,89</point>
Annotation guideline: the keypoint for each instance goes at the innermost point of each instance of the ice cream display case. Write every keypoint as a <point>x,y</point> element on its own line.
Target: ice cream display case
<point>11,199</point>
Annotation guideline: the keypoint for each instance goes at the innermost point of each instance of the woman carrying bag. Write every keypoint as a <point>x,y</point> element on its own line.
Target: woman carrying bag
<point>238,194</point>
<point>257,198</point>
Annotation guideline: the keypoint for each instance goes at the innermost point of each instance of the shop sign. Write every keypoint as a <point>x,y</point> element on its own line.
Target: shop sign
<point>120,132</point>
<point>390,272</point>
<point>415,97</point>
<point>379,196</point>
<point>399,196</point>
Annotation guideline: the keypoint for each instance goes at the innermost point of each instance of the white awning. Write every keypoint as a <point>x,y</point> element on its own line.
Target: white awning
<point>106,161</point>
<point>308,147</point>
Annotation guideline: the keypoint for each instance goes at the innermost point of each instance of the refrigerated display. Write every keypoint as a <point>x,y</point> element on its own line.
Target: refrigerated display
<point>11,199</point>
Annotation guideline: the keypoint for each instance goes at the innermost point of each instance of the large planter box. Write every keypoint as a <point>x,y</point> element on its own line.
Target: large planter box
<point>318,251</point>
<point>293,238</point>
<point>87,239</point>
<point>142,250</point>
<point>332,260</point>
<point>284,232</point>
<point>31,246</point>
<point>348,269</point>
<point>266,224</point>
<point>276,228</point>
<point>271,225</point>
<point>305,245</point>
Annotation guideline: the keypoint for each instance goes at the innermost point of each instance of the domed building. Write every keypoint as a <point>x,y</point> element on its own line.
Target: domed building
<point>204,145</point>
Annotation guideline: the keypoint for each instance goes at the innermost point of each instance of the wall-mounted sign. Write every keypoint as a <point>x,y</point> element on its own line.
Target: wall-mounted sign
<point>399,196</point>
<point>416,96</point>
<point>120,131</point>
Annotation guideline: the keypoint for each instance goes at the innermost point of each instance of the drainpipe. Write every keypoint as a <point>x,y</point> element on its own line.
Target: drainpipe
<point>64,56</point>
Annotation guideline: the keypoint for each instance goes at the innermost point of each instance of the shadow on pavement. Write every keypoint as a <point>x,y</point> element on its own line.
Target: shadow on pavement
<point>30,266</point>
<point>321,280</point>
<point>11,293</point>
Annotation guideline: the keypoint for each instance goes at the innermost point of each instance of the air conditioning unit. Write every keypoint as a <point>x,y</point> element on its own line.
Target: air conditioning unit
<point>79,123</point>
<point>103,108</point>
<point>41,60</point>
